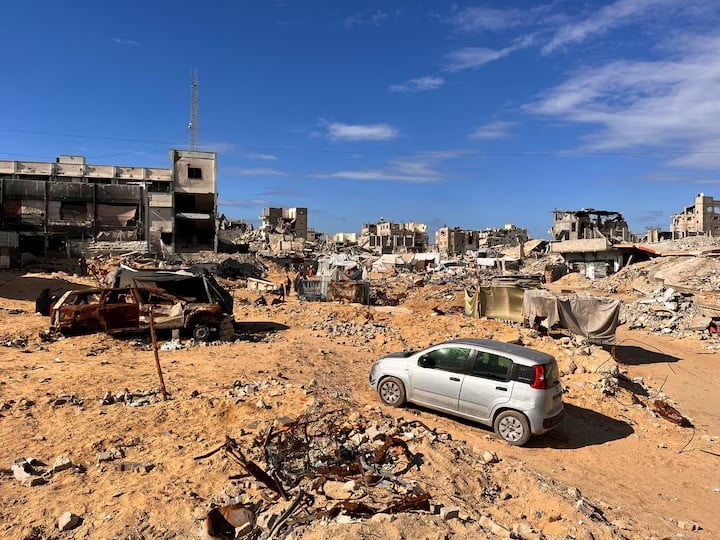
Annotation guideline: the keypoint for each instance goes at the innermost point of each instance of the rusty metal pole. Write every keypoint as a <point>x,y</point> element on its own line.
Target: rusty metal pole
<point>157,356</point>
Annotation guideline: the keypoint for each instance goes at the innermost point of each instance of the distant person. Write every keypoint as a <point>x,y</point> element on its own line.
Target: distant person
<point>83,266</point>
<point>288,285</point>
<point>43,302</point>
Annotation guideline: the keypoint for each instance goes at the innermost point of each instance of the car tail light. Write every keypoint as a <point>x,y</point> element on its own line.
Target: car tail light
<point>539,381</point>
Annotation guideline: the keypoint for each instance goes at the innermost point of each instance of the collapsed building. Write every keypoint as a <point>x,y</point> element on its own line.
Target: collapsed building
<point>457,241</point>
<point>389,237</point>
<point>72,205</point>
<point>702,218</point>
<point>587,239</point>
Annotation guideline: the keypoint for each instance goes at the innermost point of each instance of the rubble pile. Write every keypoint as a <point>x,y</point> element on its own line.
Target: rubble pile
<point>333,465</point>
<point>665,311</point>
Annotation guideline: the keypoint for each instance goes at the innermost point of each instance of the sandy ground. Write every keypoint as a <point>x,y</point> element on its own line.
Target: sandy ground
<point>643,472</point>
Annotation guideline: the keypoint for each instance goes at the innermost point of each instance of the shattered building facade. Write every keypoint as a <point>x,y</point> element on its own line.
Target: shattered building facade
<point>702,218</point>
<point>51,205</point>
<point>457,241</point>
<point>286,221</point>
<point>586,238</point>
<point>389,237</point>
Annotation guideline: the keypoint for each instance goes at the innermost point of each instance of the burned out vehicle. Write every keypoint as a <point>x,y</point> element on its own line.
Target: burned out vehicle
<point>202,310</point>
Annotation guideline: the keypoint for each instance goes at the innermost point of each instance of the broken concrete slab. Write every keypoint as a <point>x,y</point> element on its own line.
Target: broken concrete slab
<point>68,521</point>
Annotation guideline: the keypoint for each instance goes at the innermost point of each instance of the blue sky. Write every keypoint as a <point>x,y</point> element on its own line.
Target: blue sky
<point>471,114</point>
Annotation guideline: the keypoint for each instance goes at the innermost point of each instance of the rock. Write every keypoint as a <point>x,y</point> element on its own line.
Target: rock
<point>497,530</point>
<point>103,457</point>
<point>523,530</point>
<point>61,464</point>
<point>380,517</point>
<point>261,404</point>
<point>689,526</point>
<point>68,521</point>
<point>572,368</point>
<point>490,457</point>
<point>337,490</point>
<point>448,513</point>
<point>134,466</point>
<point>574,493</point>
<point>373,433</point>
<point>22,470</point>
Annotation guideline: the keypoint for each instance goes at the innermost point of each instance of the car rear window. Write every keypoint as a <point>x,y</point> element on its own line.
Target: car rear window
<point>552,375</point>
<point>524,374</point>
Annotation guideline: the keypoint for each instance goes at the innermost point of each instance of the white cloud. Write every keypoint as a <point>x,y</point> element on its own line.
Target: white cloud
<point>244,203</point>
<point>374,18</point>
<point>337,131</point>
<point>611,16</point>
<point>475,57</point>
<point>420,84</point>
<point>411,170</point>
<point>667,106</point>
<point>264,157</point>
<point>477,19</point>
<point>239,171</point>
<point>493,130</point>
<point>126,42</point>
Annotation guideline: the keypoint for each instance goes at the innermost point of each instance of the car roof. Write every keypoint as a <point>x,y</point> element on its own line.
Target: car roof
<point>508,348</point>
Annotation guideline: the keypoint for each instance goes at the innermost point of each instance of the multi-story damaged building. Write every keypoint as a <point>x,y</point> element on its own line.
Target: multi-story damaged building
<point>590,224</point>
<point>389,237</point>
<point>585,238</point>
<point>51,205</point>
<point>457,241</point>
<point>702,218</point>
<point>292,221</point>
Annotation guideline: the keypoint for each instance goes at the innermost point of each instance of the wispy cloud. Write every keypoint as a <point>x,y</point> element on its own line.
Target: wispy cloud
<point>218,147</point>
<point>374,18</point>
<point>282,192</point>
<point>337,131</point>
<point>420,170</point>
<point>239,171</point>
<point>493,130</point>
<point>244,203</point>
<point>667,105</point>
<point>264,157</point>
<point>421,84</point>
<point>478,19</point>
<point>475,57</point>
<point>619,13</point>
<point>126,42</point>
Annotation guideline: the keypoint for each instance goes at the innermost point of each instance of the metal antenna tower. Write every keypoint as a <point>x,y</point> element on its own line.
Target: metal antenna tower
<point>194,125</point>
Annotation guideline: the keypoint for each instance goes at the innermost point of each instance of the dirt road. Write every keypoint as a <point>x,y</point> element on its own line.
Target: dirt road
<point>636,467</point>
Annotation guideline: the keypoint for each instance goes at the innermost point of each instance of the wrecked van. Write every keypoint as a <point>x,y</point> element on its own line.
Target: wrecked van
<point>127,310</point>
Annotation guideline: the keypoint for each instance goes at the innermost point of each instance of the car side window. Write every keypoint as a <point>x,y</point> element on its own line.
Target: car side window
<point>452,359</point>
<point>491,366</point>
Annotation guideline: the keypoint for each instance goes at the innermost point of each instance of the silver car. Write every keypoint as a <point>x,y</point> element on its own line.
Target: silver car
<point>513,389</point>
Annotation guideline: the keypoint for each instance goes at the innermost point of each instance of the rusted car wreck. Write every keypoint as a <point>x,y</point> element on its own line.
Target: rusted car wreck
<point>203,311</point>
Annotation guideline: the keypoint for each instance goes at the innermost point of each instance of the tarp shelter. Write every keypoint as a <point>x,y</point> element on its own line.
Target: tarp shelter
<point>387,261</point>
<point>593,317</point>
<point>193,287</point>
<point>496,302</point>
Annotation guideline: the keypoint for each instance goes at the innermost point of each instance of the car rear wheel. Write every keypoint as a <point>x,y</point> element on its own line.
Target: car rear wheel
<point>392,392</point>
<point>201,332</point>
<point>512,427</point>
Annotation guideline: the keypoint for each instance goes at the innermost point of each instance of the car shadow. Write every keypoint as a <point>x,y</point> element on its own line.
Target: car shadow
<point>258,327</point>
<point>635,356</point>
<point>580,428</point>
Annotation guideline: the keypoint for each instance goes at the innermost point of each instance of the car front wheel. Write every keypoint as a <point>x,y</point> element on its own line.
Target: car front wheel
<point>201,332</point>
<point>392,391</point>
<point>512,427</point>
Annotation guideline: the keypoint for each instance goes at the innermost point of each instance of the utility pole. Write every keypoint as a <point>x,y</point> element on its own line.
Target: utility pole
<point>194,125</point>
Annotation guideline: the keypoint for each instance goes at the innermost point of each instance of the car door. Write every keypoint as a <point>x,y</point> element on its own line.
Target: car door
<point>438,375</point>
<point>486,385</point>
<point>119,310</point>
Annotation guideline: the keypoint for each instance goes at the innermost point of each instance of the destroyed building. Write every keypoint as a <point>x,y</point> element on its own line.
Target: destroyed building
<point>292,221</point>
<point>702,218</point>
<point>53,206</point>
<point>457,241</point>
<point>390,237</point>
<point>586,239</point>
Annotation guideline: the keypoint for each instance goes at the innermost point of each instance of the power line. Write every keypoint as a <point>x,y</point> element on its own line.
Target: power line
<point>436,154</point>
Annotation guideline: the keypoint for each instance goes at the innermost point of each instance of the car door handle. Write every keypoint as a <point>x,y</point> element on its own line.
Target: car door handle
<point>501,388</point>
<point>455,379</point>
